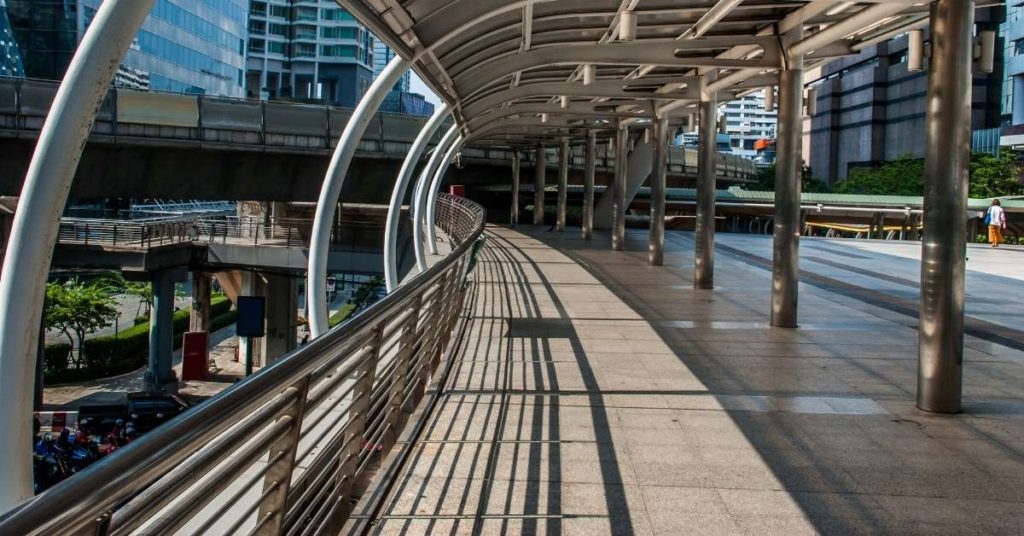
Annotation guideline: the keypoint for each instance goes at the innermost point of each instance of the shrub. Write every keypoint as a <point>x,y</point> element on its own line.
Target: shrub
<point>110,355</point>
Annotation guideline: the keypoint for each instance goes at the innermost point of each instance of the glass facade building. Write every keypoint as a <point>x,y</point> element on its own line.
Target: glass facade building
<point>307,50</point>
<point>10,55</point>
<point>186,46</point>
<point>1013,82</point>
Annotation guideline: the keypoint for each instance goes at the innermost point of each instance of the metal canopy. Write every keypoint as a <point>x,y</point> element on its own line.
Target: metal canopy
<point>531,70</point>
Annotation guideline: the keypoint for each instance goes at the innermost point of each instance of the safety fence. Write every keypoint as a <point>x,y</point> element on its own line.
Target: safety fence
<point>282,451</point>
<point>255,231</point>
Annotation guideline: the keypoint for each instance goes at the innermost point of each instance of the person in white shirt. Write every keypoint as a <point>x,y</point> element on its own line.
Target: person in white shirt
<point>996,220</point>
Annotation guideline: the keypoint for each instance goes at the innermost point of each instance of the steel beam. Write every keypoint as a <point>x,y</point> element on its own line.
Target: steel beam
<point>589,169</point>
<point>704,224</point>
<point>419,207</point>
<point>619,208</point>
<point>398,195</point>
<point>563,184</point>
<point>514,214</point>
<point>435,186</point>
<point>788,166</point>
<point>539,183</point>
<point>36,222</point>
<point>656,246</point>
<point>944,244</point>
<point>323,220</point>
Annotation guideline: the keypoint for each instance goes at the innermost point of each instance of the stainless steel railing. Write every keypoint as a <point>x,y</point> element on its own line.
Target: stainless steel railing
<point>280,452</point>
<point>144,234</point>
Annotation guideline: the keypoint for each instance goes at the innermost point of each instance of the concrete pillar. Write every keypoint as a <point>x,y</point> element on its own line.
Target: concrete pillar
<point>788,164</point>
<point>514,209</point>
<point>159,372</point>
<point>281,292</point>
<point>563,183</point>
<point>656,247</point>
<point>199,320</point>
<point>704,224</point>
<point>253,284</point>
<point>540,164</point>
<point>618,205</point>
<point>589,168</point>
<point>943,247</point>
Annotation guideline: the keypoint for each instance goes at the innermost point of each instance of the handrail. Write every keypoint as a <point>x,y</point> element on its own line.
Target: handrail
<point>279,452</point>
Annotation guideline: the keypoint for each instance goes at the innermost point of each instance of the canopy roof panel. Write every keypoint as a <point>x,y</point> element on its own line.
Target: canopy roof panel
<point>523,70</point>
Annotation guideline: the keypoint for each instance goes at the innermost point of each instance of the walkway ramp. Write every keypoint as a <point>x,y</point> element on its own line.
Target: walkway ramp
<point>597,395</point>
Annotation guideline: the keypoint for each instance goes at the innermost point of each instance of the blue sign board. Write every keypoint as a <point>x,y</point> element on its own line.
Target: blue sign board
<point>251,313</point>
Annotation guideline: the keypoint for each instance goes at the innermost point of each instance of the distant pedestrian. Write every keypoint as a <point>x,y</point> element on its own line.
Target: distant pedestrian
<point>995,218</point>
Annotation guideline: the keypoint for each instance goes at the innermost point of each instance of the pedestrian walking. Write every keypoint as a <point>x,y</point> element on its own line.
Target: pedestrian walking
<point>995,219</point>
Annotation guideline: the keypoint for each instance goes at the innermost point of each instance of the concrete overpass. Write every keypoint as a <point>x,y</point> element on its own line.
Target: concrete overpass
<point>169,146</point>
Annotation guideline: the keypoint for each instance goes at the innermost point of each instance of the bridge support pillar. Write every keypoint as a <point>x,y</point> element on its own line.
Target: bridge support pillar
<point>253,284</point>
<point>199,319</point>
<point>589,168</point>
<point>539,183</point>
<point>943,246</point>
<point>281,292</point>
<point>788,166</point>
<point>563,183</point>
<point>159,372</point>
<point>656,248</point>
<point>619,199</point>
<point>514,208</point>
<point>704,223</point>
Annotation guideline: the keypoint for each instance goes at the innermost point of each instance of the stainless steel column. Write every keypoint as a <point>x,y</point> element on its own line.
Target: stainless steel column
<point>514,215</point>
<point>788,163</point>
<point>943,246</point>
<point>589,166</point>
<point>540,164</point>
<point>656,248</point>
<point>704,223</point>
<point>563,183</point>
<point>619,208</point>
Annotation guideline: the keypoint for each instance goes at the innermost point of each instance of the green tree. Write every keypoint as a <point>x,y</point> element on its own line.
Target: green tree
<point>766,180</point>
<point>78,309</point>
<point>895,177</point>
<point>993,176</point>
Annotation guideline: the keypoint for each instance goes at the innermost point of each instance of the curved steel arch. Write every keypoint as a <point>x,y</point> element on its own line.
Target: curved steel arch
<point>613,89</point>
<point>666,54</point>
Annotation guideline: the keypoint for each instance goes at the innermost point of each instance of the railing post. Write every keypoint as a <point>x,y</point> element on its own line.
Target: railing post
<point>363,377</point>
<point>406,345</point>
<point>281,458</point>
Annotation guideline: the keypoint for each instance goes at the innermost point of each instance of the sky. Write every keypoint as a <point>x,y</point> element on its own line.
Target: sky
<point>416,85</point>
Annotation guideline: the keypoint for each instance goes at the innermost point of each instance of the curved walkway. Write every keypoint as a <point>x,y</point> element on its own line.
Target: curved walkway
<point>597,395</point>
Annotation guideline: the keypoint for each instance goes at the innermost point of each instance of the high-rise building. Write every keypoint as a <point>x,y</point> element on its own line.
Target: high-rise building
<point>382,54</point>
<point>10,55</point>
<point>746,122</point>
<point>310,49</point>
<point>187,46</point>
<point>1012,32</point>
<point>871,108</point>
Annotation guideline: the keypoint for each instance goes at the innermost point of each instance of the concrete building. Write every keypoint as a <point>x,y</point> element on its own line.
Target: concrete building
<point>307,50</point>
<point>185,46</point>
<point>870,108</point>
<point>746,122</point>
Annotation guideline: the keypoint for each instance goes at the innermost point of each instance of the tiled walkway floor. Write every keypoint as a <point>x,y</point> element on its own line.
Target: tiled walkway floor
<point>597,395</point>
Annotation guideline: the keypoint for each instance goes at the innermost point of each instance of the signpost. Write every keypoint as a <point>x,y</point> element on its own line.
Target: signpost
<point>250,323</point>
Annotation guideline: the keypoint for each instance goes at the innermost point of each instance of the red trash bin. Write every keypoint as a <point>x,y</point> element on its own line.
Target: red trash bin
<point>457,190</point>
